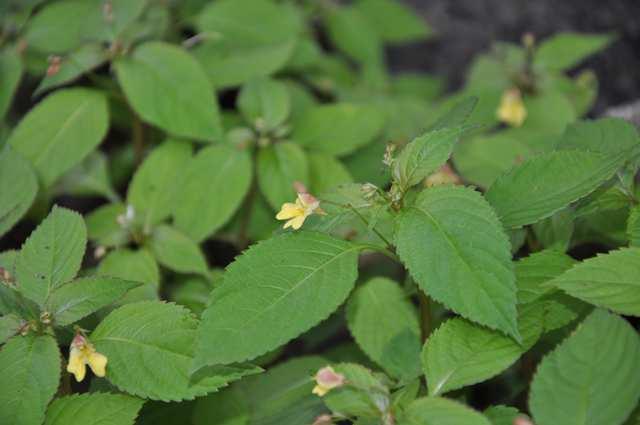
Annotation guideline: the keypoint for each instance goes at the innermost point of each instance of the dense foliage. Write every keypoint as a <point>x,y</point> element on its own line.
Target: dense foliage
<point>469,258</point>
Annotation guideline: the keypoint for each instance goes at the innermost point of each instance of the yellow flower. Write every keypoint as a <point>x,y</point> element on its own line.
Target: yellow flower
<point>297,213</point>
<point>326,380</point>
<point>512,110</point>
<point>82,353</point>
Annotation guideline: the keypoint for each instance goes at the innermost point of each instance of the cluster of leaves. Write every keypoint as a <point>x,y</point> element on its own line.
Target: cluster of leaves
<point>410,289</point>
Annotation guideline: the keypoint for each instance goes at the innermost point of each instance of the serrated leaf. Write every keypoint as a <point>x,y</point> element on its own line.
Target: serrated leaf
<point>186,107</point>
<point>137,266</point>
<point>440,411</point>
<point>461,353</point>
<point>587,378</point>
<point>10,74</point>
<point>352,126</point>
<point>385,325</point>
<point>608,280</point>
<point>605,135</point>
<point>18,188</point>
<point>555,232</point>
<point>279,167</point>
<point>538,187</point>
<point>175,250</point>
<point>303,276</point>
<point>61,131</point>
<point>150,347</point>
<point>79,298</point>
<point>264,103</point>
<point>212,187</point>
<point>455,248</point>
<point>154,187</point>
<point>52,254</point>
<point>457,115</point>
<point>536,269</point>
<point>393,21</point>
<point>424,155</point>
<point>94,409</point>
<point>30,370</point>
<point>566,50</point>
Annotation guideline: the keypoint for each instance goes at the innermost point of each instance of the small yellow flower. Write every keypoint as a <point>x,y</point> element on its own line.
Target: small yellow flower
<point>82,353</point>
<point>326,380</point>
<point>512,110</point>
<point>297,213</point>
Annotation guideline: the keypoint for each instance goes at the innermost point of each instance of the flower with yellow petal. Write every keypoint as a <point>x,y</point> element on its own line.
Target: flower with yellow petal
<point>512,110</point>
<point>326,380</point>
<point>83,353</point>
<point>297,213</point>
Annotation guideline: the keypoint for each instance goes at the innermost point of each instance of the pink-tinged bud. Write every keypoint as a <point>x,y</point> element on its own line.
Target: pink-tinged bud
<point>54,66</point>
<point>299,187</point>
<point>78,341</point>
<point>522,420</point>
<point>323,420</point>
<point>326,380</point>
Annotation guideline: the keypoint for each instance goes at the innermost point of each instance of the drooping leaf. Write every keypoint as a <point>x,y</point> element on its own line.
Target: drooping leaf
<point>587,378</point>
<point>61,131</point>
<point>441,411</point>
<point>150,347</point>
<point>18,188</point>
<point>212,187</point>
<point>424,155</point>
<point>175,250</point>
<point>51,256</point>
<point>538,187</point>
<point>303,276</point>
<point>168,88</point>
<point>566,50</point>
<point>94,409</point>
<point>77,299</point>
<point>155,185</point>
<point>279,167</point>
<point>352,126</point>
<point>385,325</point>
<point>10,74</point>
<point>30,370</point>
<point>608,280</point>
<point>454,247</point>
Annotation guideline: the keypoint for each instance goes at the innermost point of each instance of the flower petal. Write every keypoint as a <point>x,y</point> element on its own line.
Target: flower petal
<point>98,363</point>
<point>296,222</point>
<point>288,211</point>
<point>76,364</point>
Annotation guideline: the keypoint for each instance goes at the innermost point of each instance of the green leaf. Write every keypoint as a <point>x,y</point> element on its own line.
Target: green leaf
<point>605,135</point>
<point>227,407</point>
<point>424,155</point>
<point>103,227</point>
<point>455,248</point>
<point>302,276</point>
<point>539,268</point>
<point>440,411</point>
<point>86,58</point>
<point>461,353</point>
<point>30,370</point>
<point>361,396</point>
<point>178,252</point>
<point>94,409</point>
<point>351,32</point>
<point>150,347</point>
<point>393,21</point>
<point>52,255</point>
<point>566,50</point>
<point>168,88</point>
<point>326,172</point>
<point>279,167</point>
<point>10,74</point>
<point>608,280</point>
<point>155,185</point>
<point>352,126</point>
<point>385,325</point>
<point>457,115</point>
<point>137,266</point>
<point>89,178</point>
<point>79,298</point>
<point>548,114</point>
<point>555,231</point>
<point>10,324</point>
<point>212,187</point>
<point>18,188</point>
<point>502,415</point>
<point>264,103</point>
<point>61,131</point>
<point>586,379</point>
<point>538,188</point>
<point>633,227</point>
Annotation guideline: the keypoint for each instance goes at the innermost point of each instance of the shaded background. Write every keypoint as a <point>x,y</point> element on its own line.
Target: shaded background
<point>467,27</point>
